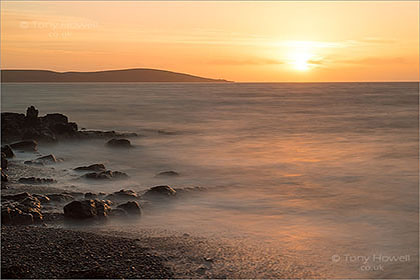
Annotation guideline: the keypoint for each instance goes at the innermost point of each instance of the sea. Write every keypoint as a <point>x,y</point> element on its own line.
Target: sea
<point>299,180</point>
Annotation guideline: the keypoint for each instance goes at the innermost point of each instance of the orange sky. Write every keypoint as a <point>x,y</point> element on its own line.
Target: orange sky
<point>240,41</point>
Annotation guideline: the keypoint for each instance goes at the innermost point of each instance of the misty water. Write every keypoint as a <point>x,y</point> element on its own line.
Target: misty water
<point>302,180</point>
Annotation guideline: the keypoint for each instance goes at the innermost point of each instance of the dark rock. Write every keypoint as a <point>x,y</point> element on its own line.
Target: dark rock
<point>49,159</point>
<point>86,209</point>
<point>99,175</point>
<point>12,125</point>
<point>7,151</point>
<point>93,167</point>
<point>159,191</point>
<point>119,143</point>
<point>167,173</point>
<point>33,180</point>
<point>30,145</point>
<point>119,175</point>
<point>90,195</point>
<point>131,207</point>
<point>55,118</point>
<point>3,161</point>
<point>4,177</point>
<point>123,194</point>
<point>18,217</point>
<point>16,197</point>
<point>107,175</point>
<point>60,197</point>
<point>33,162</point>
<point>32,113</point>
<point>20,209</point>
<point>118,212</point>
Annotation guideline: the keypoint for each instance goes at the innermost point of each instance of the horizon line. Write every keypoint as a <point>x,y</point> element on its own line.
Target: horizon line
<point>229,81</point>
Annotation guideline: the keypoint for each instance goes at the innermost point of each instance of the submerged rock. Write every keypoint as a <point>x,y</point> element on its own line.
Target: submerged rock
<point>167,173</point>
<point>49,159</point>
<point>29,145</point>
<point>159,191</point>
<point>119,143</point>
<point>34,180</point>
<point>123,194</point>
<point>93,167</point>
<point>107,175</point>
<point>131,207</point>
<point>86,209</point>
<point>8,152</point>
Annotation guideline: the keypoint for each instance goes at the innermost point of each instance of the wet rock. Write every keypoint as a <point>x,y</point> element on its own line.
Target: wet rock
<point>86,209</point>
<point>106,175</point>
<point>167,173</point>
<point>16,197</point>
<point>8,152</point>
<point>18,217</point>
<point>104,134</point>
<point>131,207</point>
<point>123,194</point>
<point>119,175</point>
<point>90,195</point>
<point>60,197</point>
<point>118,212</point>
<point>21,208</point>
<point>3,161</point>
<point>29,145</point>
<point>97,167</point>
<point>47,159</point>
<point>159,191</point>
<point>119,143</point>
<point>34,180</point>
<point>4,177</point>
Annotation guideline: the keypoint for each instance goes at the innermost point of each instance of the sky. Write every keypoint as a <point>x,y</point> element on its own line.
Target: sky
<point>275,41</point>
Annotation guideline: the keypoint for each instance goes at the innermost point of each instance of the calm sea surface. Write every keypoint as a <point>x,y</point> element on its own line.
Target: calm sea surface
<point>309,179</point>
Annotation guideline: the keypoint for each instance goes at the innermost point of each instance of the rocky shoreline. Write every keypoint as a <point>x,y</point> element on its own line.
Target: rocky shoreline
<point>32,246</point>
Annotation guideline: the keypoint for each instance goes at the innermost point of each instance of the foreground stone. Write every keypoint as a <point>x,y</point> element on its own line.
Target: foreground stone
<point>87,209</point>
<point>21,209</point>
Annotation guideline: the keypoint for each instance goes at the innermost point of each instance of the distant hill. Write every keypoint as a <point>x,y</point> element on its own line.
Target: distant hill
<point>125,75</point>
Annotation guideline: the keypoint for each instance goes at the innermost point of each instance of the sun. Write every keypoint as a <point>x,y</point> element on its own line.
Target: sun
<point>300,60</point>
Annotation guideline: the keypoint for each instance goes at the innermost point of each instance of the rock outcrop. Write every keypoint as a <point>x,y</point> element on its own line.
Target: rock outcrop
<point>86,209</point>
